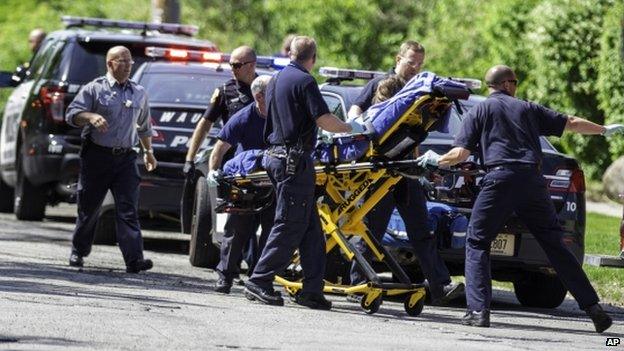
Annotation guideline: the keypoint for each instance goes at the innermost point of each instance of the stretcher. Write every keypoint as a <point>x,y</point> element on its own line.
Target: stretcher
<point>353,174</point>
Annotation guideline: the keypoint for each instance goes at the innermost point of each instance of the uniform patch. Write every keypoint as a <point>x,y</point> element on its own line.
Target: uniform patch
<point>215,96</point>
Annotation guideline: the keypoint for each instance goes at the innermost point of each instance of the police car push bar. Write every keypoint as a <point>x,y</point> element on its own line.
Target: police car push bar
<point>210,56</point>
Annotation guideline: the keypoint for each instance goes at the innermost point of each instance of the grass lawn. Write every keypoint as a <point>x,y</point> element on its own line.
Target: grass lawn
<point>602,236</point>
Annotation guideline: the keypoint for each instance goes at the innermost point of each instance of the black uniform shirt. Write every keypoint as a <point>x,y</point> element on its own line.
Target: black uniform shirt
<point>294,103</point>
<point>506,130</point>
<point>365,99</point>
<point>227,100</point>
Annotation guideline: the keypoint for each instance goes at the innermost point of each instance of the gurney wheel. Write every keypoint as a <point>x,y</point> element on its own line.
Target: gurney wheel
<point>417,308</point>
<point>373,307</point>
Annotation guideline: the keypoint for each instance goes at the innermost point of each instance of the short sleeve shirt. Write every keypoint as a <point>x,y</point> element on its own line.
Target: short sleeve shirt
<point>365,99</point>
<point>244,130</point>
<point>234,93</point>
<point>507,130</point>
<point>294,103</point>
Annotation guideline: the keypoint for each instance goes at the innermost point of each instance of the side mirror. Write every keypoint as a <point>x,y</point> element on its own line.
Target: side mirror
<point>9,79</point>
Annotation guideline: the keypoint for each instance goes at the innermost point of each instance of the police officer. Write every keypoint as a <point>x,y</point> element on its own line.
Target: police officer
<point>410,58</point>
<point>408,196</point>
<point>295,109</point>
<point>226,100</point>
<point>505,131</point>
<point>109,109</point>
<point>35,38</point>
<point>243,131</point>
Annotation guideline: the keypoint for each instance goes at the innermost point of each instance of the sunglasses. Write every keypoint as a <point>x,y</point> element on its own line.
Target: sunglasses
<point>237,65</point>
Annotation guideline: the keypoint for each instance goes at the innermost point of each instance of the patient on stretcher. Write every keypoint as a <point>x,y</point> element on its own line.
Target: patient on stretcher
<point>379,119</point>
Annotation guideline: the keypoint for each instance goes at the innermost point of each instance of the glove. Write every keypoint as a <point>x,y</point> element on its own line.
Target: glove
<point>327,137</point>
<point>428,158</point>
<point>356,128</point>
<point>213,177</point>
<point>613,129</point>
<point>189,168</point>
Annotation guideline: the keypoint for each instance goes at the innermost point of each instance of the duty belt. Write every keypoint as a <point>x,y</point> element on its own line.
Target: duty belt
<point>110,150</point>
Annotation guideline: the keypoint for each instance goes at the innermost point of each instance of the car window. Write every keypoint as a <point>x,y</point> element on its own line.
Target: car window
<point>335,105</point>
<point>180,87</point>
<point>38,62</point>
<point>89,60</point>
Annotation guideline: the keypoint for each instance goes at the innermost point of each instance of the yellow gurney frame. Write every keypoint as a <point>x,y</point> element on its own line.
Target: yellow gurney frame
<point>354,189</point>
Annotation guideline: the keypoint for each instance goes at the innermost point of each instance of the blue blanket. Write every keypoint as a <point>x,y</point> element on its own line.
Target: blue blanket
<point>244,162</point>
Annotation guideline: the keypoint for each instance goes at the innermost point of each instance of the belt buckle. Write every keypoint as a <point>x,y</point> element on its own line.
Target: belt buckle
<point>118,150</point>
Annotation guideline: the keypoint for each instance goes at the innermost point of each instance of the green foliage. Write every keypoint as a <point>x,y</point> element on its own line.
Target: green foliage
<point>565,48</point>
<point>610,83</point>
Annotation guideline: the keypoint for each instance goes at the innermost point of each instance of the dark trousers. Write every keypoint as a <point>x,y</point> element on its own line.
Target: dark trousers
<point>101,171</point>
<point>240,233</point>
<point>409,198</point>
<point>523,191</point>
<point>297,226</point>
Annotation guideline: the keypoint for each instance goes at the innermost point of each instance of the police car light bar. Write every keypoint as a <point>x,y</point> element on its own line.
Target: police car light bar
<point>470,83</point>
<point>170,28</point>
<point>215,57</point>
<point>341,73</point>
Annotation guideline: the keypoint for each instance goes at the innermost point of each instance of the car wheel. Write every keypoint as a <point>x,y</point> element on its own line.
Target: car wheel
<point>539,290</point>
<point>202,252</point>
<point>29,201</point>
<point>6,197</point>
<point>105,229</point>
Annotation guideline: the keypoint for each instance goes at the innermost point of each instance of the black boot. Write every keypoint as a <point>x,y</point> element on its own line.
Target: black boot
<point>601,319</point>
<point>477,319</point>
<point>313,301</point>
<point>266,296</point>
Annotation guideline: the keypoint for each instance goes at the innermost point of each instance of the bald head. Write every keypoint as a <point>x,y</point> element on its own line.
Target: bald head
<point>244,53</point>
<point>501,78</point>
<point>35,38</point>
<point>119,63</point>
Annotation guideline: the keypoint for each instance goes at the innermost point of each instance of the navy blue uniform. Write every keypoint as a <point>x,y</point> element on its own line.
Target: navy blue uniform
<point>506,132</point>
<point>294,104</point>
<point>409,198</point>
<point>365,99</point>
<point>243,131</point>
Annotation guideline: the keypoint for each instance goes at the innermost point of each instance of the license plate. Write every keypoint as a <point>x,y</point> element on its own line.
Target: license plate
<point>503,245</point>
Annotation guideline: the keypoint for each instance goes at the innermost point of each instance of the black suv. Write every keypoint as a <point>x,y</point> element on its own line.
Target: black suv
<point>39,161</point>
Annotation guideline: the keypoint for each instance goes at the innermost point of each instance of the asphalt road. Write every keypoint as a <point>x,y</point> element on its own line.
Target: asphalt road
<point>46,305</point>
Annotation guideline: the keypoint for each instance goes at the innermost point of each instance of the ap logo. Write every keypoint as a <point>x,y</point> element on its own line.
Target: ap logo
<point>613,341</point>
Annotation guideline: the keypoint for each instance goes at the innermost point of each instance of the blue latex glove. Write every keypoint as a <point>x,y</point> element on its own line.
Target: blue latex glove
<point>213,177</point>
<point>327,137</point>
<point>612,129</point>
<point>428,158</point>
<point>356,128</point>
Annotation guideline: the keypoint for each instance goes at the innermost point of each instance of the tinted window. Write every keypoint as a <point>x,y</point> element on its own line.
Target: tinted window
<point>335,105</point>
<point>182,88</point>
<point>89,60</point>
<point>38,62</point>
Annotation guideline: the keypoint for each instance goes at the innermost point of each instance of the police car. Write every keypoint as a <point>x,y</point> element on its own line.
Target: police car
<point>516,255</point>
<point>39,160</point>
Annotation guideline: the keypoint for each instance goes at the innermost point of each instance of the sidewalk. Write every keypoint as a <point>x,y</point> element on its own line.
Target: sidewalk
<point>610,208</point>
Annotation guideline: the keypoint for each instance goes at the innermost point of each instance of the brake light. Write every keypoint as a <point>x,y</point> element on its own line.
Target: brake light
<point>53,103</point>
<point>577,181</point>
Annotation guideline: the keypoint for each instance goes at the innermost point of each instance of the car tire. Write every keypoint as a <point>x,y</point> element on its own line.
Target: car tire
<point>539,290</point>
<point>6,197</point>
<point>29,201</point>
<point>105,228</point>
<point>202,251</point>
